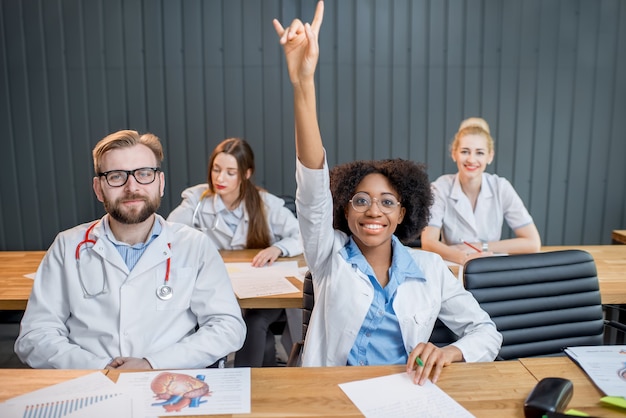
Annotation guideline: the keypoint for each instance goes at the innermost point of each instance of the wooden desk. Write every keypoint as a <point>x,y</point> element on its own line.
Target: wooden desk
<point>15,288</point>
<point>586,396</point>
<point>498,389</point>
<point>611,265</point>
<point>618,236</point>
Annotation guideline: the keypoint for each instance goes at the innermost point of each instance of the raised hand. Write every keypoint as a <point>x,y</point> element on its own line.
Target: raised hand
<point>300,43</point>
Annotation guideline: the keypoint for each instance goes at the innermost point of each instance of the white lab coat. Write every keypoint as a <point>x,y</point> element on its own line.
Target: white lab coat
<point>61,328</point>
<point>343,294</point>
<point>202,215</point>
<point>497,201</point>
<point>284,233</point>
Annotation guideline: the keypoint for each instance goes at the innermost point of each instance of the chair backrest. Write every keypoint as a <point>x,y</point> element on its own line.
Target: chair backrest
<point>540,302</point>
<point>290,203</point>
<point>442,335</point>
<point>308,301</point>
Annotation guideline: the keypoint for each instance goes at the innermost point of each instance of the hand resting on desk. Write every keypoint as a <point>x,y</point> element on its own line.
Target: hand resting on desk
<point>433,358</point>
<point>129,363</point>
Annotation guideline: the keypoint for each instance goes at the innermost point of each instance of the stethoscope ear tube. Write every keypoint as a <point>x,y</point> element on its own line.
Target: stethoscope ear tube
<point>163,292</point>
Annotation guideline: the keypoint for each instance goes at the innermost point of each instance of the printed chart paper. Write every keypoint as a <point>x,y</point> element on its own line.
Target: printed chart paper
<point>188,392</point>
<point>90,396</point>
<point>604,364</point>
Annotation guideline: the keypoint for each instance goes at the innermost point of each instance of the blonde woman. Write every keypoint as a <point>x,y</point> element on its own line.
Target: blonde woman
<point>471,206</point>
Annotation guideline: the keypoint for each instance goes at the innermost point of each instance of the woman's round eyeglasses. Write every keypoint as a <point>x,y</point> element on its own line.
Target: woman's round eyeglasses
<point>363,201</point>
<point>118,178</point>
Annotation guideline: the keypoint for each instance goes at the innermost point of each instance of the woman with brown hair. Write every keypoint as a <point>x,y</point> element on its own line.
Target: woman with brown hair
<point>236,214</point>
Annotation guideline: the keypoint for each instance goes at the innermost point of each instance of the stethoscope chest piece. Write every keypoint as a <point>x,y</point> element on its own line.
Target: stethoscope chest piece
<point>164,292</point>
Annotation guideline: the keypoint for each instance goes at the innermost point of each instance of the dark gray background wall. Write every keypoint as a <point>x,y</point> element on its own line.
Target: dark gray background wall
<point>395,79</point>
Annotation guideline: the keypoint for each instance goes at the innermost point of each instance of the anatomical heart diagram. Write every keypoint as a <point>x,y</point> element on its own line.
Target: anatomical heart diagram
<point>176,391</point>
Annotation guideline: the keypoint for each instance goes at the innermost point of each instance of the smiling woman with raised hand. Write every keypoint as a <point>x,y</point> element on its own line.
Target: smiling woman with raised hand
<point>376,300</point>
<point>471,206</point>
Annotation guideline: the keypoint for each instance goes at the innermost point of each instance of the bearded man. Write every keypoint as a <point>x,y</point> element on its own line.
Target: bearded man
<point>130,290</point>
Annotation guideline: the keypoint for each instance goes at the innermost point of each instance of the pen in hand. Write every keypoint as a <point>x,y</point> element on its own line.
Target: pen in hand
<point>478,250</point>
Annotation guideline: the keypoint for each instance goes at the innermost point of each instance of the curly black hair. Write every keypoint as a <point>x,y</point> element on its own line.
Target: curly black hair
<point>409,180</point>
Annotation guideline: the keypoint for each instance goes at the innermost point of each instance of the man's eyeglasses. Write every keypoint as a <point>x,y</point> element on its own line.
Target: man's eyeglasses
<point>118,178</point>
<point>362,202</point>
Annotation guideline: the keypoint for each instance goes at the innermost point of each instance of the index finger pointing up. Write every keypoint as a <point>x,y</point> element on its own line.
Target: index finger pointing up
<point>318,18</point>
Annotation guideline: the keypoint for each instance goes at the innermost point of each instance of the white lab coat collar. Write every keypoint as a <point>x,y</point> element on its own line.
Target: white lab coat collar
<point>157,252</point>
<point>462,205</point>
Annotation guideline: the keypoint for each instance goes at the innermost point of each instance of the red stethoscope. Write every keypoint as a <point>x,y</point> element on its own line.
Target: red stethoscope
<point>163,292</point>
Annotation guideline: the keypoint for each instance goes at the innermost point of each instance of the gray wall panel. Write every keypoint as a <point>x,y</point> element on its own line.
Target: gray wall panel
<point>395,79</point>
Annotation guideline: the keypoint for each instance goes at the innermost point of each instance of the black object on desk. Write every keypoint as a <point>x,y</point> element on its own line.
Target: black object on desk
<point>551,394</point>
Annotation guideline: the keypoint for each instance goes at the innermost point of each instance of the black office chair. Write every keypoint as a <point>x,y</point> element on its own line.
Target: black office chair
<point>308,301</point>
<point>290,203</point>
<point>541,302</point>
<point>442,335</point>
<point>277,327</point>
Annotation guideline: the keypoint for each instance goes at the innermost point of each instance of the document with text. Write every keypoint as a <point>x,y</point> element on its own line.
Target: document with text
<point>249,281</point>
<point>604,364</point>
<point>397,396</point>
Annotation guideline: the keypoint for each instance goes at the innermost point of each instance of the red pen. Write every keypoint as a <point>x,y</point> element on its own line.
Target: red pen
<point>472,247</point>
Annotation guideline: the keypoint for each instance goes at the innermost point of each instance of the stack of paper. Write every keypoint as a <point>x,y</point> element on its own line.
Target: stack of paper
<point>140,395</point>
<point>606,366</point>
<point>249,281</point>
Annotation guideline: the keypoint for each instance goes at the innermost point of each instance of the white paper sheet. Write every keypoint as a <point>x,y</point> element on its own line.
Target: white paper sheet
<point>93,395</point>
<point>228,391</point>
<point>96,406</point>
<point>604,364</point>
<point>93,382</point>
<point>248,281</point>
<point>397,396</point>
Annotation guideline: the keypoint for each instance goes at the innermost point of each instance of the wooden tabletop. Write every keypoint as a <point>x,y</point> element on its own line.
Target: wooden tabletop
<point>618,236</point>
<point>586,395</point>
<point>496,389</point>
<point>15,288</point>
<point>611,265</point>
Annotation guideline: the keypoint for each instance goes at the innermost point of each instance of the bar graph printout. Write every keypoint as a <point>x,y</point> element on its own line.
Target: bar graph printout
<point>90,396</point>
